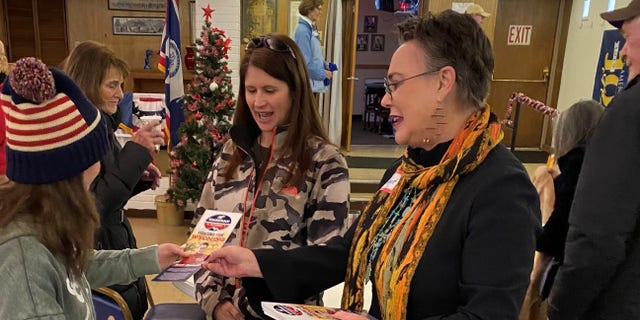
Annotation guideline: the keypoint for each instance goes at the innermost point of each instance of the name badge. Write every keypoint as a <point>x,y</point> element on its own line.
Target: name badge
<point>392,182</point>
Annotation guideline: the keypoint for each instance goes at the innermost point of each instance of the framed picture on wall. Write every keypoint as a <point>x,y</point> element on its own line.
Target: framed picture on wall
<point>293,16</point>
<point>377,42</point>
<point>370,24</point>
<point>137,5</point>
<point>138,26</point>
<point>362,42</point>
<point>192,11</point>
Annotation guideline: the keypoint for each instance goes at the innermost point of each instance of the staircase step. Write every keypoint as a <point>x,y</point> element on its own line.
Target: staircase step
<point>364,186</point>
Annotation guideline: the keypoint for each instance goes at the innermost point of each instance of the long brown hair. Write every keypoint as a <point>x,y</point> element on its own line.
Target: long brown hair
<point>304,120</point>
<point>62,215</point>
<point>87,65</point>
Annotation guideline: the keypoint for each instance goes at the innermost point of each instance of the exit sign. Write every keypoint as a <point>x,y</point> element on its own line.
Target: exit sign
<point>519,35</point>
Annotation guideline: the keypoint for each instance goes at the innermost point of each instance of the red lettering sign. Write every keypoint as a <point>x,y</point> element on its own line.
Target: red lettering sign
<point>519,35</point>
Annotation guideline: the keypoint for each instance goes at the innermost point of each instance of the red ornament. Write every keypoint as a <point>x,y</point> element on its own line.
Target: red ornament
<point>198,116</point>
<point>207,12</point>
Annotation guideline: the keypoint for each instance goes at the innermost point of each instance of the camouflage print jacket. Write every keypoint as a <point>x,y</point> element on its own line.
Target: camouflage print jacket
<point>284,216</point>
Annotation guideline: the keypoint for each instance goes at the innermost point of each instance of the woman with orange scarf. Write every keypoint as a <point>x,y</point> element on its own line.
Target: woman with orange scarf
<point>452,230</point>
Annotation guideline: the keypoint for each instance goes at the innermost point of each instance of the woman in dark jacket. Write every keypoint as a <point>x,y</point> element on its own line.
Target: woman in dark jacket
<point>125,171</point>
<point>572,129</point>
<point>451,233</point>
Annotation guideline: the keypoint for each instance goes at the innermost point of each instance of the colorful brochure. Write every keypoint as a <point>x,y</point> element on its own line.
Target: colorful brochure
<point>211,233</point>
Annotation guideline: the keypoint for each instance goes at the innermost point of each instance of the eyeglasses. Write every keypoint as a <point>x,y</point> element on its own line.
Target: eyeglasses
<point>271,43</point>
<point>389,87</point>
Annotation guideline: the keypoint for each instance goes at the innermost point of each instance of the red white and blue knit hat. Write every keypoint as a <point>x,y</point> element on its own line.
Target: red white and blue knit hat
<point>53,131</point>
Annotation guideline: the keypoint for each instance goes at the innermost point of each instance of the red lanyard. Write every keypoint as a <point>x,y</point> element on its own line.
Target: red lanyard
<point>244,223</point>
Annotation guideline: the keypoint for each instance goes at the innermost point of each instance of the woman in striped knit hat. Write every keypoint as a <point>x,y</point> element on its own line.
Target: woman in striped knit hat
<point>55,139</point>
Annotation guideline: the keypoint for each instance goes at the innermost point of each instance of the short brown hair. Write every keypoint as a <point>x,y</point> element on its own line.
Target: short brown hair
<point>455,39</point>
<point>306,6</point>
<point>87,65</point>
<point>304,119</point>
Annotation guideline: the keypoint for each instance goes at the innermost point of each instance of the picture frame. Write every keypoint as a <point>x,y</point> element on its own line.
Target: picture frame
<point>138,5</point>
<point>362,42</point>
<point>370,24</point>
<point>377,42</point>
<point>194,31</point>
<point>294,15</point>
<point>138,26</point>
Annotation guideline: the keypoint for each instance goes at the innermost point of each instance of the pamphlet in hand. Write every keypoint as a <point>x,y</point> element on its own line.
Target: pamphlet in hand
<point>211,233</point>
<point>290,311</point>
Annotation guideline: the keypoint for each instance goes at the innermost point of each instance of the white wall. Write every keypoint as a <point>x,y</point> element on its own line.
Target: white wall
<point>581,54</point>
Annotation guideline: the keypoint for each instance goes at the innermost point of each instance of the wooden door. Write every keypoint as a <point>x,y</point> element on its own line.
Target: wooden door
<point>524,43</point>
<point>36,28</point>
<point>350,28</point>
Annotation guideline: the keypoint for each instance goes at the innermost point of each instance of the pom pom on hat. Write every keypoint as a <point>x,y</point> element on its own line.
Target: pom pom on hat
<point>32,80</point>
<point>53,131</point>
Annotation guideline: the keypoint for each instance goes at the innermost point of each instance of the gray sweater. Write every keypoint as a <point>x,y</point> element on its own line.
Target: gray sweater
<point>34,284</point>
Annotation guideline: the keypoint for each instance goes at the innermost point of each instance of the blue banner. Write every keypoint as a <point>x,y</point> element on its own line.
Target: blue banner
<point>170,62</point>
<point>611,74</point>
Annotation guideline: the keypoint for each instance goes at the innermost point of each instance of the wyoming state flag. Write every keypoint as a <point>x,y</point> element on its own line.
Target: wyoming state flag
<point>170,62</point>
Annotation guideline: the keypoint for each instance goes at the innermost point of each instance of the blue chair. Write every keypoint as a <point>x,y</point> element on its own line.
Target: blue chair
<point>172,311</point>
<point>175,311</point>
<point>109,305</point>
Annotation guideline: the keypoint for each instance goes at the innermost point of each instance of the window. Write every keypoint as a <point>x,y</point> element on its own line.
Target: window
<point>585,9</point>
<point>611,5</point>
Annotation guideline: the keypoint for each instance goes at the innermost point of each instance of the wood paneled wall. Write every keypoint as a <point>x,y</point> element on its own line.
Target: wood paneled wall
<point>491,6</point>
<point>92,20</point>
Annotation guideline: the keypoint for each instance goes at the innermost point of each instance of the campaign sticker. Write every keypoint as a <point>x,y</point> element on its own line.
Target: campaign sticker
<point>392,182</point>
<point>288,310</point>
<point>217,222</point>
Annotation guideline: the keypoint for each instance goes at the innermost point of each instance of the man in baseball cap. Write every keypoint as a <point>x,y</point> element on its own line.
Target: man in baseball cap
<point>477,13</point>
<point>599,278</point>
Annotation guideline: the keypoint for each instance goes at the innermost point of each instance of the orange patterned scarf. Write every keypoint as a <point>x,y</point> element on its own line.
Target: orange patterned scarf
<point>398,257</point>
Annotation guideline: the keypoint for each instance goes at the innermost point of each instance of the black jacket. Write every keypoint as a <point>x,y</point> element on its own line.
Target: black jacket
<point>600,277</point>
<point>119,180</point>
<point>476,264</point>
<point>554,233</point>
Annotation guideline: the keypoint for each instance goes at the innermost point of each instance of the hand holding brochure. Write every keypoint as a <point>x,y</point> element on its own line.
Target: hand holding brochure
<point>211,233</point>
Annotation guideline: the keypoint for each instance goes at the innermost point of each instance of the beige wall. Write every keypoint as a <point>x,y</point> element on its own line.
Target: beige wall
<point>583,49</point>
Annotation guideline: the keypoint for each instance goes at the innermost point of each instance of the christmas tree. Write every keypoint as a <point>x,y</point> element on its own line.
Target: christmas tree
<point>208,107</point>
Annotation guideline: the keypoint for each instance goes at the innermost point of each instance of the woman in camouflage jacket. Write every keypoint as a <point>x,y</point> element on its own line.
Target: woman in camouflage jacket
<point>279,169</point>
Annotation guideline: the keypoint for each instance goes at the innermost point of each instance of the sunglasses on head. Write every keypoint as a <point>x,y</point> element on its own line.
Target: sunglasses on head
<point>271,43</point>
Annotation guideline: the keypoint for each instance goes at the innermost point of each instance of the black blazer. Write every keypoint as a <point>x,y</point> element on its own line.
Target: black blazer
<point>476,264</point>
<point>554,233</point>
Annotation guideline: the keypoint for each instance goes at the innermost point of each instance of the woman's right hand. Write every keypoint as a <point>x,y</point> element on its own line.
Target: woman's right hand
<point>233,261</point>
<point>225,310</point>
<point>148,136</point>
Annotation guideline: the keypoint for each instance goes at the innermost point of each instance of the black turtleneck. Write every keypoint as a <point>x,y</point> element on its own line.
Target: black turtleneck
<point>425,158</point>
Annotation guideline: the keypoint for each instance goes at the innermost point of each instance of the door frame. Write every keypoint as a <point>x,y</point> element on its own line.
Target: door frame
<point>557,64</point>
<point>350,29</point>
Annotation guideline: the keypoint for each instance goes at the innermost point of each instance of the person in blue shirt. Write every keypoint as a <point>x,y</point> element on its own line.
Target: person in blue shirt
<point>307,38</point>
